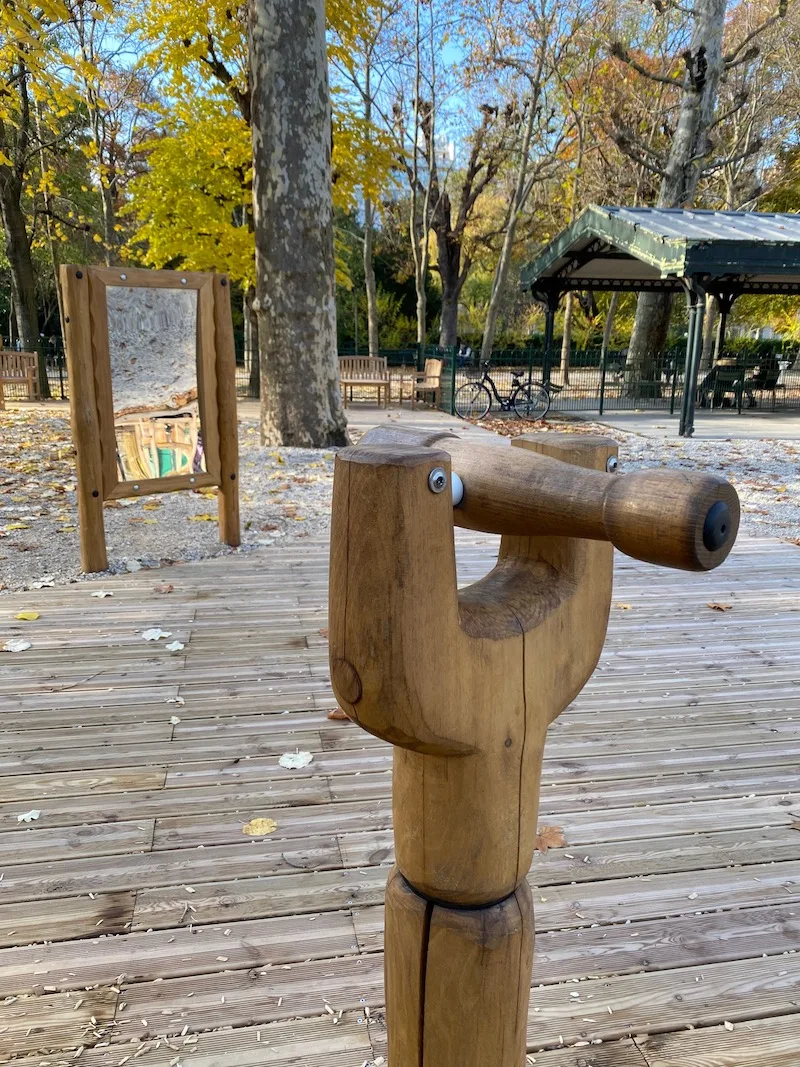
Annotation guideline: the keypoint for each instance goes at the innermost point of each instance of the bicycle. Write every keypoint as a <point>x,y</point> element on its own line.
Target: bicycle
<point>527,399</point>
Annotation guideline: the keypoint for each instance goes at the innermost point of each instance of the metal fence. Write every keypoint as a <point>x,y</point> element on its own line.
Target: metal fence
<point>592,383</point>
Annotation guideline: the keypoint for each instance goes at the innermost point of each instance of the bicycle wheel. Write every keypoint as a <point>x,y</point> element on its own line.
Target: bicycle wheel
<point>472,401</point>
<point>531,401</point>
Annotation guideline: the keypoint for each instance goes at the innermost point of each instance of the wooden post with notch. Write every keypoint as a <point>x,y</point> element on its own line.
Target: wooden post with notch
<point>465,683</point>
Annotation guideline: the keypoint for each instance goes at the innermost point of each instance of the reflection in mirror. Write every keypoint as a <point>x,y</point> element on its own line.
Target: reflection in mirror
<point>152,340</point>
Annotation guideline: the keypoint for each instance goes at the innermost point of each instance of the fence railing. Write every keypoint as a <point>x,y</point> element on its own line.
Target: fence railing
<point>591,384</point>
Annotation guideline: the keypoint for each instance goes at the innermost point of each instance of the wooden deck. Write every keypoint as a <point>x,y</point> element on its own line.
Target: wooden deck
<point>139,924</point>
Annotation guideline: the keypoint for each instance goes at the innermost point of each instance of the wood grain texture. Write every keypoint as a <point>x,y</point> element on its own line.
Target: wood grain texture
<point>654,515</point>
<point>675,901</point>
<point>225,377</point>
<point>84,418</point>
<point>457,980</point>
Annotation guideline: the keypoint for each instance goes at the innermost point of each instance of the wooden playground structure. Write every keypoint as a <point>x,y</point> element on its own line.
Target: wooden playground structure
<point>141,925</point>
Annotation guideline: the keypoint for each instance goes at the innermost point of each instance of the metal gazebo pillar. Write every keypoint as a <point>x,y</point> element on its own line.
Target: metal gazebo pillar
<point>551,303</point>
<point>696,301</point>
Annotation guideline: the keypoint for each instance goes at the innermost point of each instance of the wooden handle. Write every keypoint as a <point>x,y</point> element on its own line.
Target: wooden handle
<point>673,518</point>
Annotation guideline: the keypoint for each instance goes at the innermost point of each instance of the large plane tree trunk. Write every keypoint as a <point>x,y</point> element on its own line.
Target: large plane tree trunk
<point>301,402</point>
<point>688,151</point>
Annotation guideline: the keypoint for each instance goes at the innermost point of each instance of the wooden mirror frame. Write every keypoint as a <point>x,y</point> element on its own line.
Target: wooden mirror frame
<point>92,408</point>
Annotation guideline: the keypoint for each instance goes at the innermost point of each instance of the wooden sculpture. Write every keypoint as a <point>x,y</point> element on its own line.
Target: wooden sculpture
<point>464,685</point>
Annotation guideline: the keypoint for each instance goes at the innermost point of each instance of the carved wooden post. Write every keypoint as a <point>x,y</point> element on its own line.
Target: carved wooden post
<point>465,684</point>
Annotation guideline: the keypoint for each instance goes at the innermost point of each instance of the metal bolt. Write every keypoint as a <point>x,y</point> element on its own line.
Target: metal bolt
<point>191,480</point>
<point>124,277</point>
<point>611,464</point>
<point>136,488</point>
<point>183,281</point>
<point>437,480</point>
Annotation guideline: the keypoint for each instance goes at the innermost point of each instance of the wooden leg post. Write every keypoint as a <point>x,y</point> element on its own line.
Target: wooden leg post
<point>465,683</point>
<point>229,527</point>
<point>84,417</point>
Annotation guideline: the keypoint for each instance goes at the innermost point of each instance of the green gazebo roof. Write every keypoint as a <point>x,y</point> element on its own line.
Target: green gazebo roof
<point>641,248</point>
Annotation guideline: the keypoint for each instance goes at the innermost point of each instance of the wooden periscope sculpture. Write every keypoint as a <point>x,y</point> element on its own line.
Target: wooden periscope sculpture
<point>464,685</point>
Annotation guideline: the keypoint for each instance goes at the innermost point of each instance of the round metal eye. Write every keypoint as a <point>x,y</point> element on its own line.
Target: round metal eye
<point>612,463</point>
<point>437,480</point>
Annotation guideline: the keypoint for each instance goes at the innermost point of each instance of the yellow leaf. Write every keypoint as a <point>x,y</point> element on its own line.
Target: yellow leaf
<point>151,505</point>
<point>17,526</point>
<point>623,607</point>
<point>27,616</point>
<point>720,607</point>
<point>277,457</point>
<point>204,517</point>
<point>259,827</point>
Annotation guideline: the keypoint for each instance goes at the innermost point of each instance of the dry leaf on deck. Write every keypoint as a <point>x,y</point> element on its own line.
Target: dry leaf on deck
<point>101,593</point>
<point>337,715</point>
<point>175,646</point>
<point>17,645</point>
<point>27,616</point>
<point>294,761</point>
<point>204,516</point>
<point>29,816</point>
<point>174,720</point>
<point>794,824</point>
<point>550,837</point>
<point>623,607</point>
<point>165,588</point>
<point>720,607</point>
<point>156,633</point>
<point>323,632</point>
<point>259,827</point>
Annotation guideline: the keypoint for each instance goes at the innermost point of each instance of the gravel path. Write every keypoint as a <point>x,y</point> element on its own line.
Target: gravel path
<point>286,495</point>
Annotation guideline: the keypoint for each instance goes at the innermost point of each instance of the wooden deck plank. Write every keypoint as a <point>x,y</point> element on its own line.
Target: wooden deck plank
<point>673,775</point>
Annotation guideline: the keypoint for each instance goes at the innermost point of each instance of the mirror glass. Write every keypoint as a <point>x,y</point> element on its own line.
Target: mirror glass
<point>152,341</point>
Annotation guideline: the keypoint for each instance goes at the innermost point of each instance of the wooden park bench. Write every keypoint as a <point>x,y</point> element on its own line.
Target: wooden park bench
<point>364,372</point>
<point>21,368</point>
<point>428,385</point>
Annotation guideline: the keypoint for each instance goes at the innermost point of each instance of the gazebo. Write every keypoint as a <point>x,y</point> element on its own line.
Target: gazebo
<point>673,250</point>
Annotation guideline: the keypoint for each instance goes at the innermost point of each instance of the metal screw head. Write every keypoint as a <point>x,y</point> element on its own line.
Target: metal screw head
<point>611,464</point>
<point>136,488</point>
<point>437,480</point>
<point>124,277</point>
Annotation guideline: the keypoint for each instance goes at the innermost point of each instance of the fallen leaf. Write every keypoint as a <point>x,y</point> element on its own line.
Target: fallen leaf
<point>151,505</point>
<point>323,632</point>
<point>268,526</point>
<point>156,633</point>
<point>794,824</point>
<point>295,760</point>
<point>259,827</point>
<point>278,457</point>
<point>27,616</point>
<point>623,607</point>
<point>174,720</point>
<point>165,588</point>
<point>132,565</point>
<point>175,646</point>
<point>17,645</point>
<point>550,837</point>
<point>337,715</point>
<point>29,816</point>
<point>177,700</point>
<point>101,593</point>
<point>45,582</point>
<point>204,516</point>
<point>720,607</point>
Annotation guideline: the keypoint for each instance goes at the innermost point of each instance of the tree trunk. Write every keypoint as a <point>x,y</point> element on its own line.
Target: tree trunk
<point>566,340</point>
<point>301,401</point>
<point>608,328</point>
<point>521,191</point>
<point>689,149</point>
<point>449,262</point>
<point>251,343</point>
<point>23,279</point>
<point>709,323</point>
<point>369,280</point>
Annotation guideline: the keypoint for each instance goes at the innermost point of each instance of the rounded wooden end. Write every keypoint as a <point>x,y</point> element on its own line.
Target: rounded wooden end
<point>346,682</point>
